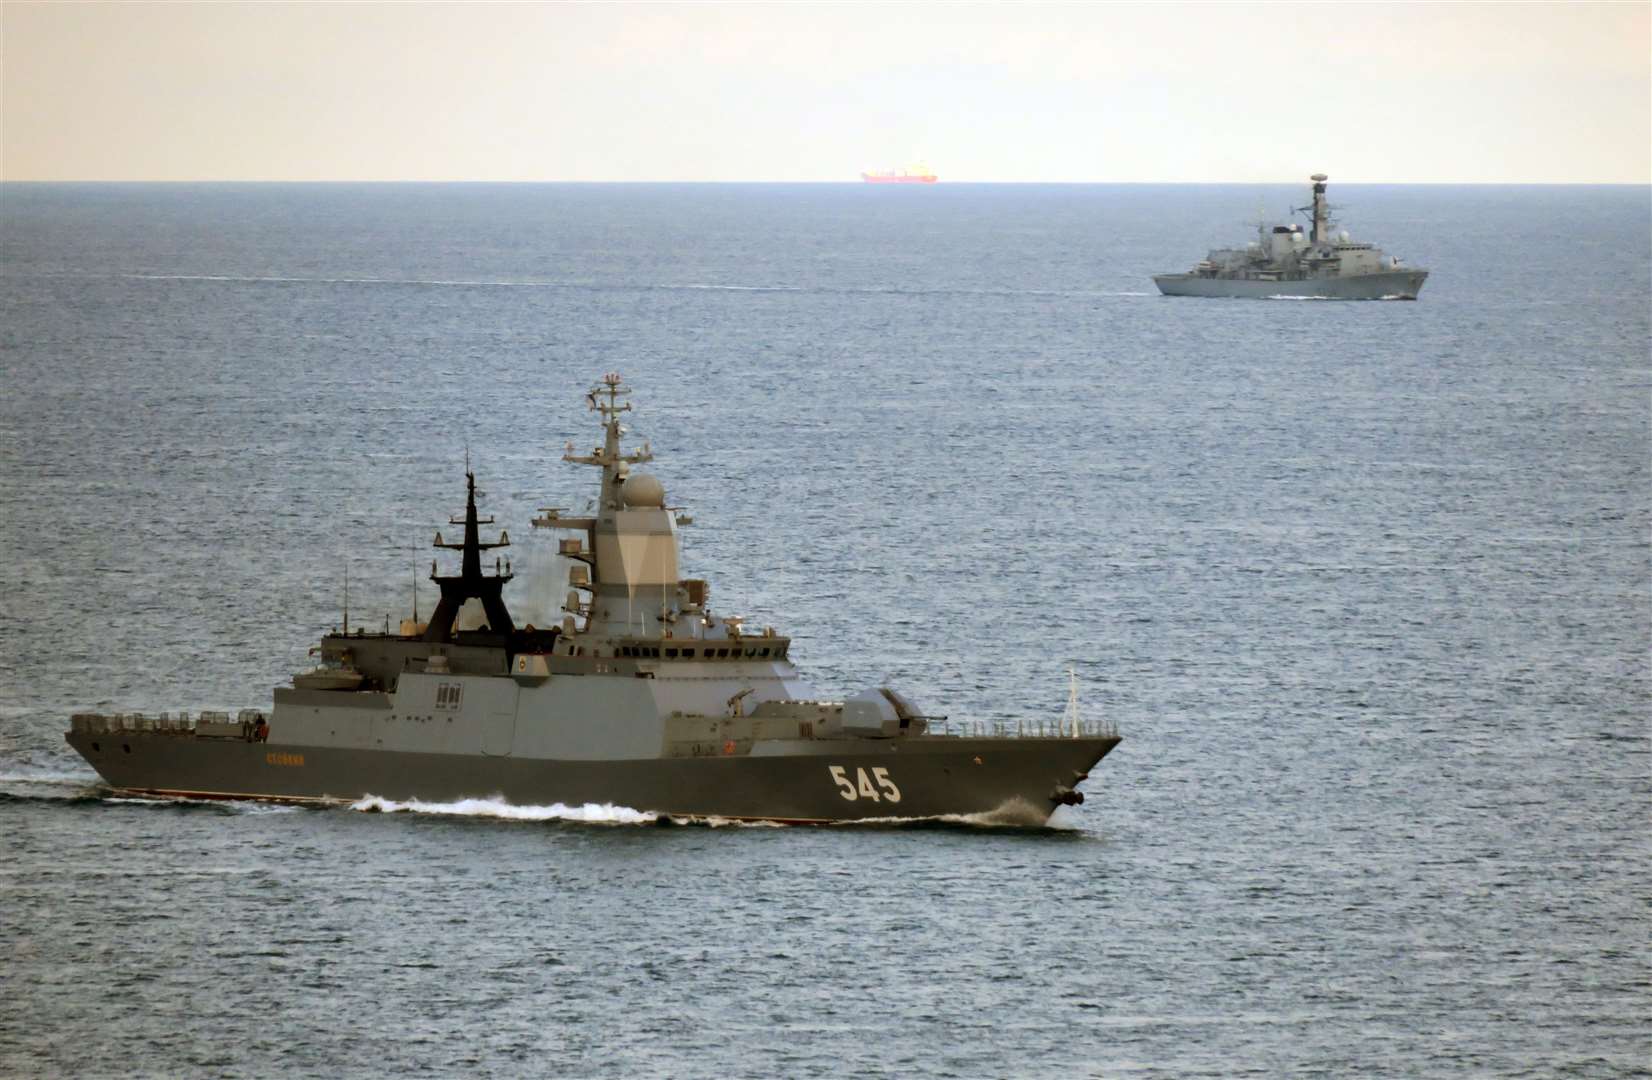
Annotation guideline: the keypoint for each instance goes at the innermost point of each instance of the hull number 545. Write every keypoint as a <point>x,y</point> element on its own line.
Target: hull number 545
<point>877,786</point>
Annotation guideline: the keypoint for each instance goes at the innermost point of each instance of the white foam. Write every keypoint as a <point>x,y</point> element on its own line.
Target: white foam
<point>714,822</point>
<point>1015,814</point>
<point>497,807</point>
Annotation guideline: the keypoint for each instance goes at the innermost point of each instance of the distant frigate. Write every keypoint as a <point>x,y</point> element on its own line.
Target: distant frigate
<point>641,697</point>
<point>1284,261</point>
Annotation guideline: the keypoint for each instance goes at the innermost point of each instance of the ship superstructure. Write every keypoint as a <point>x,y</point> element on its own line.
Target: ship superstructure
<point>1285,261</point>
<point>640,697</point>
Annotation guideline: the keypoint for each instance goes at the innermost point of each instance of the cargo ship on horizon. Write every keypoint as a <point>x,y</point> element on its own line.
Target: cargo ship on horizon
<point>912,174</point>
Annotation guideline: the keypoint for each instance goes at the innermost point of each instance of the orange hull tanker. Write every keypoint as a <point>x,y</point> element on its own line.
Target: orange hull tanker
<point>917,175</point>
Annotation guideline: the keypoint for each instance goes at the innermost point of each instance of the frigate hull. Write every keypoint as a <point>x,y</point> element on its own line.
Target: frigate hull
<point>1017,779</point>
<point>1389,285</point>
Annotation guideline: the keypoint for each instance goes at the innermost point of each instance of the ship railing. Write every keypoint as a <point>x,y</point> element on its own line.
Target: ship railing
<point>1021,727</point>
<point>165,723</point>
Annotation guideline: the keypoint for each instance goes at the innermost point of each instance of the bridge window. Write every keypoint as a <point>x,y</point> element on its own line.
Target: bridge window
<point>671,654</point>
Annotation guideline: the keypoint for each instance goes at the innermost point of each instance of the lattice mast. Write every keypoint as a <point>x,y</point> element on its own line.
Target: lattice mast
<point>470,583</point>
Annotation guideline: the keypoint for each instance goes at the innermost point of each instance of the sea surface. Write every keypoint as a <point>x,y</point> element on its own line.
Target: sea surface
<point>1367,587</point>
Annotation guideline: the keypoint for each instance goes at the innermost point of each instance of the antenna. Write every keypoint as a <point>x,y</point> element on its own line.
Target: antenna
<point>346,599</point>
<point>413,548</point>
<point>1071,717</point>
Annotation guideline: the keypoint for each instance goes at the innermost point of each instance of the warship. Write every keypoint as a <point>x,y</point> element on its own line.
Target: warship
<point>640,697</point>
<point>1285,262</point>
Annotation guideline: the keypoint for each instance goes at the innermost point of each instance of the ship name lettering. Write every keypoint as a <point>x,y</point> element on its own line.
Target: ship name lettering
<point>275,758</point>
<point>878,786</point>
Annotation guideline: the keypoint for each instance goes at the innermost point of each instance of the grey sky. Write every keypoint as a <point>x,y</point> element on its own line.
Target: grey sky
<point>1041,92</point>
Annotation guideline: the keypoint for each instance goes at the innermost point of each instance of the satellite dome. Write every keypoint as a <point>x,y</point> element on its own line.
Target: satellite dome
<point>640,489</point>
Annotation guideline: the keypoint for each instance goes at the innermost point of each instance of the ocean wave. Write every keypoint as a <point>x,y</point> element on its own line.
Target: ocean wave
<point>36,789</point>
<point>731,288</point>
<point>461,283</point>
<point>621,286</point>
<point>50,777</point>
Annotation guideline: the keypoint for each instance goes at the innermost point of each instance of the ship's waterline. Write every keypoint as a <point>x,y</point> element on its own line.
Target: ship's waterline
<point>1390,285</point>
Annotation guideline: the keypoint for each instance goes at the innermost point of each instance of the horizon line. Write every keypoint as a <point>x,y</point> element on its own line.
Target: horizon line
<point>852,183</point>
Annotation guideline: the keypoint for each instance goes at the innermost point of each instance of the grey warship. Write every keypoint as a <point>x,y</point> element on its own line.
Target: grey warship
<point>1283,262</point>
<point>642,697</point>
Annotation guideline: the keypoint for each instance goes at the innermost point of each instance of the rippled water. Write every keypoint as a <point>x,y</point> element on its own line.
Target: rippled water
<point>1366,586</point>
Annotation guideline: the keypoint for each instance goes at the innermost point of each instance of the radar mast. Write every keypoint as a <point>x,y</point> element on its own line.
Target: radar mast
<point>470,583</point>
<point>608,456</point>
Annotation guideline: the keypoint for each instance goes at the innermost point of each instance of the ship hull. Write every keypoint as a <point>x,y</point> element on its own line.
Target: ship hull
<point>898,179</point>
<point>1389,285</point>
<point>1017,780</point>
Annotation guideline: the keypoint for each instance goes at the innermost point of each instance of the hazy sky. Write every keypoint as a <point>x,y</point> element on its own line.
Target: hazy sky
<point>708,91</point>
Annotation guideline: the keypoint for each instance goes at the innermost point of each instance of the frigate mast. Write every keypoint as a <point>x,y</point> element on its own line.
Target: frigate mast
<point>1319,213</point>
<point>470,582</point>
<point>614,464</point>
